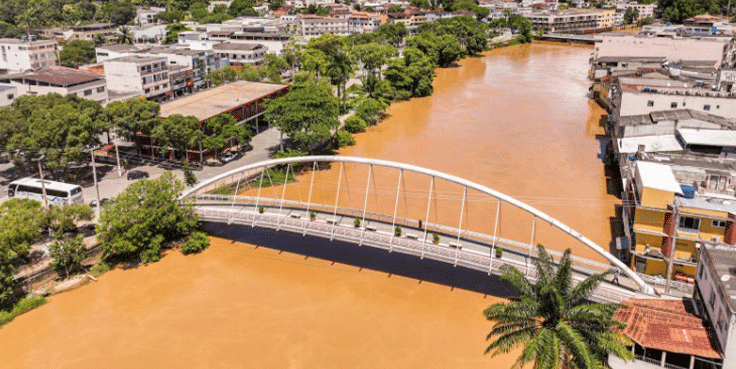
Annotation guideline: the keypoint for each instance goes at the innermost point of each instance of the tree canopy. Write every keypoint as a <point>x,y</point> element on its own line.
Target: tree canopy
<point>77,52</point>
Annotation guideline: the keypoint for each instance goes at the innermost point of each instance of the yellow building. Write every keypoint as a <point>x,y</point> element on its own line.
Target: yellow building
<point>662,213</point>
<point>606,18</point>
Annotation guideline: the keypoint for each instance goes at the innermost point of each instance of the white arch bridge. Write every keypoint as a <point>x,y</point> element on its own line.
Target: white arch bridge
<point>239,196</point>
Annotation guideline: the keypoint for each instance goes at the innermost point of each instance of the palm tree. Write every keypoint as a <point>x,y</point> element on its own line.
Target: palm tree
<point>125,37</point>
<point>99,39</point>
<point>553,321</point>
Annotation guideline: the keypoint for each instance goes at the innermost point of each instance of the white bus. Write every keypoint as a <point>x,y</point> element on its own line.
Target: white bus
<point>58,193</point>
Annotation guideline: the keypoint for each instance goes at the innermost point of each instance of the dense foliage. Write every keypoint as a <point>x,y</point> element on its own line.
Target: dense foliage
<point>68,254</point>
<point>77,52</point>
<point>553,321</point>
<point>143,218</point>
<point>196,242</point>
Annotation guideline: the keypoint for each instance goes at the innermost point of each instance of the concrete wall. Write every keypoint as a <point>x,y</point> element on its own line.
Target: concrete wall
<point>8,95</point>
<point>633,103</point>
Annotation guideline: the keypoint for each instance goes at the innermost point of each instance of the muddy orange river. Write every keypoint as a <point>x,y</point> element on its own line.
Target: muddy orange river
<point>517,120</point>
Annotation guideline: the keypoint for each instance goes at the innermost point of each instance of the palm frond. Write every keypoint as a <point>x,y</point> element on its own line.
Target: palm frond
<point>514,277</point>
<point>563,278</point>
<point>507,342</point>
<point>584,289</point>
<point>576,343</point>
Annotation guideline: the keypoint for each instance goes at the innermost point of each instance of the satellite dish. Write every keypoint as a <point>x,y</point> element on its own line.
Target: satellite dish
<point>725,278</point>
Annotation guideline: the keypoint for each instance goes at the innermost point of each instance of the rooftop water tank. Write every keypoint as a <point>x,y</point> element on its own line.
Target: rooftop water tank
<point>688,192</point>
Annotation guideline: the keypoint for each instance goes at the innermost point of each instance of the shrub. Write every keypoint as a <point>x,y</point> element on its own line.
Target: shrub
<point>197,242</point>
<point>100,268</point>
<point>436,239</point>
<point>344,138</point>
<point>312,216</point>
<point>20,307</point>
<point>355,124</point>
<point>260,209</point>
<point>356,222</point>
<point>397,231</point>
<point>513,43</point>
<point>499,252</point>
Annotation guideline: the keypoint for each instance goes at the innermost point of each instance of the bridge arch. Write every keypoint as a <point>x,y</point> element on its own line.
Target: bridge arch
<point>643,286</point>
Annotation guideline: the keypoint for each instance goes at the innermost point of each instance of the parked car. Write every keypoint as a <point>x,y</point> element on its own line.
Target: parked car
<point>213,162</point>
<point>229,156</point>
<point>137,174</point>
<point>93,203</point>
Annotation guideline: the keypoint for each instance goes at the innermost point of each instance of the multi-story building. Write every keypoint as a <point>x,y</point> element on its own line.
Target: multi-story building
<point>108,52</point>
<point>64,81</point>
<point>145,15</point>
<point>17,55</point>
<point>314,26</point>
<point>8,93</point>
<point>87,32</point>
<point>715,298</point>
<point>704,23</point>
<point>240,54</point>
<point>362,22</point>
<point>645,10</point>
<point>181,79</point>
<point>273,41</point>
<point>200,62</point>
<point>697,48</point>
<point>147,75</point>
<point>606,18</point>
<point>569,21</point>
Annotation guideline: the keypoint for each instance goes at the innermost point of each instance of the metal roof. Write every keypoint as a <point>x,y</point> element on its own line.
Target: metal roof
<point>657,176</point>
<point>708,137</point>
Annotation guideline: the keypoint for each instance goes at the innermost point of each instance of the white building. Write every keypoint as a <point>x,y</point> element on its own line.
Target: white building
<point>720,49</point>
<point>645,10</point>
<point>8,93</point>
<point>17,56</point>
<point>107,52</point>
<point>147,75</point>
<point>362,22</point>
<point>146,15</point>
<point>314,26</point>
<point>240,54</point>
<point>64,81</point>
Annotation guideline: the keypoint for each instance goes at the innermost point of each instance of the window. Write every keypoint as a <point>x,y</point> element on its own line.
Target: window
<point>688,224</point>
<point>10,96</point>
<point>701,273</point>
<point>650,103</point>
<point>673,105</point>
<point>706,107</point>
<point>101,89</point>
<point>712,299</point>
<point>88,92</point>
<point>719,223</point>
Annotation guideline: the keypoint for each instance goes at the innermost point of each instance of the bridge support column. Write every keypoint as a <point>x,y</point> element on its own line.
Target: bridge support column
<point>493,243</point>
<point>460,227</point>
<point>309,198</point>
<point>258,197</point>
<point>396,208</point>
<point>531,244</point>
<point>426,218</point>
<point>337,197</point>
<point>365,203</point>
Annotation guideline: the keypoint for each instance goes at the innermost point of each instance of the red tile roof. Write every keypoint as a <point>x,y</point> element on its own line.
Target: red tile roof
<point>667,325</point>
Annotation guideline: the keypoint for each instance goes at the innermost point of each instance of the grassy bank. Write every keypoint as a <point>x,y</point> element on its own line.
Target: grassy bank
<point>20,307</point>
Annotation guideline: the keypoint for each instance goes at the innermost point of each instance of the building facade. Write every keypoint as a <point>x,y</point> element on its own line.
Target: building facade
<point>8,93</point>
<point>147,75</point>
<point>17,55</point>
<point>240,54</point>
<point>566,21</point>
<point>64,81</point>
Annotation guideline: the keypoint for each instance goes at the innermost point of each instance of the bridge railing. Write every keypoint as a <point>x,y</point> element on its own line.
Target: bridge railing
<point>466,258</point>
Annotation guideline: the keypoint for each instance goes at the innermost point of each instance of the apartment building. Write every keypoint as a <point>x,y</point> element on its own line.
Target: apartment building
<point>240,54</point>
<point>145,15</point>
<point>273,41</point>
<point>314,26</point>
<point>695,48</point>
<point>64,81</point>
<point>18,55</point>
<point>715,298</point>
<point>606,18</point>
<point>570,21</point>
<point>645,10</point>
<point>8,93</point>
<point>704,23</point>
<point>200,62</point>
<point>147,75</point>
<point>362,22</point>
<point>88,32</point>
<point>108,52</point>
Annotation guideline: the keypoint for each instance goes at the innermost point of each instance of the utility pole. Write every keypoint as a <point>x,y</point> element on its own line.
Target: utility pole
<point>676,213</point>
<point>43,185</point>
<point>97,185</point>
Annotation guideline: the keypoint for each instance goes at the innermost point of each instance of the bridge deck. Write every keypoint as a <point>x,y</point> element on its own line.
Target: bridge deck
<point>471,253</point>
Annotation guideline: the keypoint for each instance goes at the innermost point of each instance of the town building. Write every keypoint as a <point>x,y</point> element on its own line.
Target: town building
<point>18,55</point>
<point>666,333</point>
<point>623,65</point>
<point>149,33</point>
<point>145,15</point>
<point>273,41</point>
<point>570,21</point>
<point>240,54</point>
<point>704,24</point>
<point>715,297</point>
<point>64,81</point>
<point>144,75</point>
<point>114,51</point>
<point>88,32</point>
<point>8,93</point>
<point>644,10</point>
<point>243,100</point>
<point>362,22</point>
<point>606,19</point>
<point>200,63</point>
<point>314,26</point>
<point>696,48</point>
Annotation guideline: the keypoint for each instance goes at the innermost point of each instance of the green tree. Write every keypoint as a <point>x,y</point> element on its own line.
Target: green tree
<point>189,178</point>
<point>344,138</point>
<point>307,114</point>
<point>423,4</point>
<point>22,222</point>
<point>369,110</point>
<point>374,56</point>
<point>7,271</point>
<point>631,15</point>
<point>76,53</point>
<point>339,69</point>
<point>395,9</point>
<point>355,124</point>
<point>179,133</point>
<point>412,75</point>
<point>141,219</point>
<point>65,218</point>
<point>240,8</point>
<point>172,33</point>
<point>552,320</point>
<point>133,116</point>
<point>120,12</point>
<point>171,16</point>
<point>223,129</point>
<point>68,254</point>
<point>676,11</point>
<point>393,33</point>
<point>125,36</point>
<point>99,40</point>
<point>196,242</point>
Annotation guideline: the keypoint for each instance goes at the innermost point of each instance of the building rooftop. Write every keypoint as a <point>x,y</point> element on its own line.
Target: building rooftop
<point>708,137</point>
<point>237,46</point>
<point>723,261</point>
<point>56,77</point>
<point>93,26</point>
<point>221,99</point>
<point>658,177</point>
<point>171,50</point>
<point>667,325</point>
<point>644,59</point>
<point>121,48</point>
<point>138,59</point>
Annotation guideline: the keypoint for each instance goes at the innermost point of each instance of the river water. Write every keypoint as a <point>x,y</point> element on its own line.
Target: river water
<point>516,120</point>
